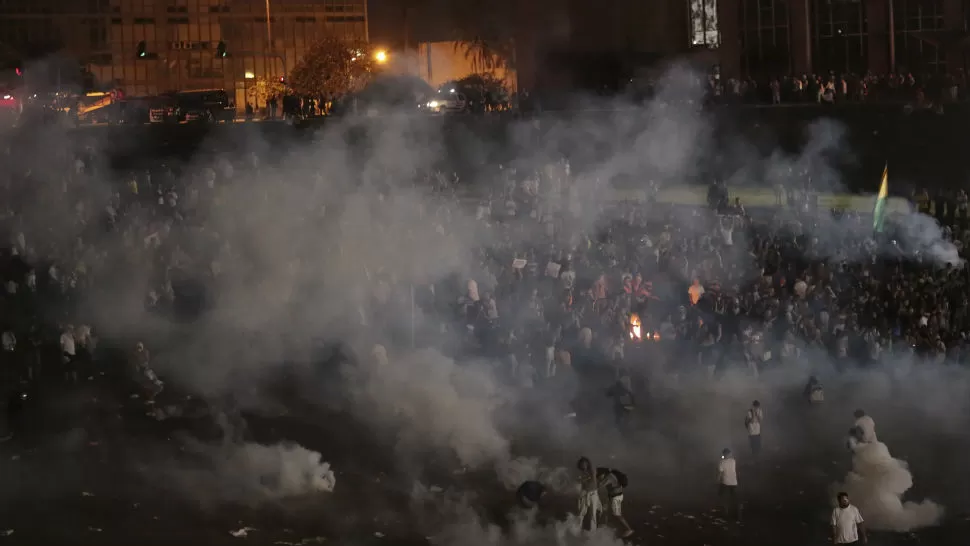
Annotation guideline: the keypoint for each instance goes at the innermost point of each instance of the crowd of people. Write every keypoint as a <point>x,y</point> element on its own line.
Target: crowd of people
<point>920,91</point>
<point>702,290</point>
<point>715,287</point>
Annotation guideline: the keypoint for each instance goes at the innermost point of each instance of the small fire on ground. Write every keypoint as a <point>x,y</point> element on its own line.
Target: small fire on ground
<point>636,333</point>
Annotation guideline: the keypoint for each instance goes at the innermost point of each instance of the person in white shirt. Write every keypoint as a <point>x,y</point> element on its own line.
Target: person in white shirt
<point>727,481</point>
<point>867,425</point>
<point>854,440</point>
<point>9,341</point>
<point>69,353</point>
<point>752,422</point>
<point>848,527</point>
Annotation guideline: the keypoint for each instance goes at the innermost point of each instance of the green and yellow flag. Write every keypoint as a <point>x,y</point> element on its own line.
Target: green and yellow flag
<point>879,211</point>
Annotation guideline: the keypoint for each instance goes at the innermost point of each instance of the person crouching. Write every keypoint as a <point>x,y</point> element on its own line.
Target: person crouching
<point>589,499</point>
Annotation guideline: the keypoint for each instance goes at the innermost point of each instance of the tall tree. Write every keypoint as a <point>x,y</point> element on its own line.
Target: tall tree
<point>487,55</point>
<point>333,67</point>
<point>484,36</point>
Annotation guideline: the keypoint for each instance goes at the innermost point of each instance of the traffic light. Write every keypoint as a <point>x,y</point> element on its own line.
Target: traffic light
<point>19,71</point>
<point>142,50</point>
<point>221,50</point>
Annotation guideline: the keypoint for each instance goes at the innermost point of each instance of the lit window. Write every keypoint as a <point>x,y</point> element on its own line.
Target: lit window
<point>703,23</point>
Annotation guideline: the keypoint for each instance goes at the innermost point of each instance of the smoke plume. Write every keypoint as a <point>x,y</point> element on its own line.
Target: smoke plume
<point>876,485</point>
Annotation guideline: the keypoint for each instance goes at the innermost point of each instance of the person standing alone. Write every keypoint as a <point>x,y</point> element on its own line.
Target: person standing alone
<point>752,422</point>
<point>848,527</point>
<point>727,483</point>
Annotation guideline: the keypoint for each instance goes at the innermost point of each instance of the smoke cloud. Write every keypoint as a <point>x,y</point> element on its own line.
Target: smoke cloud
<point>876,486</point>
<point>363,238</point>
<point>246,473</point>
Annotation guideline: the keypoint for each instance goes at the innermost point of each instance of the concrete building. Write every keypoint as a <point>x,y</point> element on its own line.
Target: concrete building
<point>180,38</point>
<point>762,37</point>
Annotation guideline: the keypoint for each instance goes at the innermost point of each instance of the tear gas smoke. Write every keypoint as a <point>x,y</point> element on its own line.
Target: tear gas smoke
<point>520,469</point>
<point>281,470</point>
<point>876,485</point>
<point>304,245</point>
<point>247,473</point>
<point>464,526</point>
<point>432,401</point>
<point>922,232</point>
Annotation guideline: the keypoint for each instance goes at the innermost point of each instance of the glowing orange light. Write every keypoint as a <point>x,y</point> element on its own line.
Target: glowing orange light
<point>635,327</point>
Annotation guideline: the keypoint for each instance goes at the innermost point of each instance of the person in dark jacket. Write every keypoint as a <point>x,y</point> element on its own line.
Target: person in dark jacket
<point>624,402</point>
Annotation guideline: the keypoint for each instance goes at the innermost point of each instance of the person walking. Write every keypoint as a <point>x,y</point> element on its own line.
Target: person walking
<point>615,481</point>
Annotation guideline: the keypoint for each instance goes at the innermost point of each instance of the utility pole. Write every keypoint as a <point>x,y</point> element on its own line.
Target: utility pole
<point>427,46</point>
<point>269,34</point>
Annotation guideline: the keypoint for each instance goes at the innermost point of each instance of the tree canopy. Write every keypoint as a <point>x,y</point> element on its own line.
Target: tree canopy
<point>263,89</point>
<point>486,55</point>
<point>484,36</point>
<point>332,68</point>
<point>482,84</point>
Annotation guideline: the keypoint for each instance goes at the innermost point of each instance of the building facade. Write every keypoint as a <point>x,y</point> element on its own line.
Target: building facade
<point>774,37</point>
<point>150,46</point>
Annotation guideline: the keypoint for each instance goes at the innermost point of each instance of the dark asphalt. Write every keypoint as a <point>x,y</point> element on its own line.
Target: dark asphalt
<point>92,469</point>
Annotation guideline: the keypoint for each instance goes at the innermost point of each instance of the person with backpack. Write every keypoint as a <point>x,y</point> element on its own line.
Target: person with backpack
<point>615,482</point>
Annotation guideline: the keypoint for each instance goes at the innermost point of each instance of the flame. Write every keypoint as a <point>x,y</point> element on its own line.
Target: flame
<point>635,327</point>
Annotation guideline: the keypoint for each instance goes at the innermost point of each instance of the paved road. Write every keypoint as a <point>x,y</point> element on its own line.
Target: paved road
<point>92,468</point>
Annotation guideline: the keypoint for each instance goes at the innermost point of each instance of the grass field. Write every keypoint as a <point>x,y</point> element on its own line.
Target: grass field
<point>763,197</point>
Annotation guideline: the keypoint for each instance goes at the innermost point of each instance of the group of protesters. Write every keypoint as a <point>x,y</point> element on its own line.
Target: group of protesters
<point>715,288</point>
<point>922,91</point>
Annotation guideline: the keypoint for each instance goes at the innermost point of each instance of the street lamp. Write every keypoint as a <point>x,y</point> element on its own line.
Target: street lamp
<point>380,56</point>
